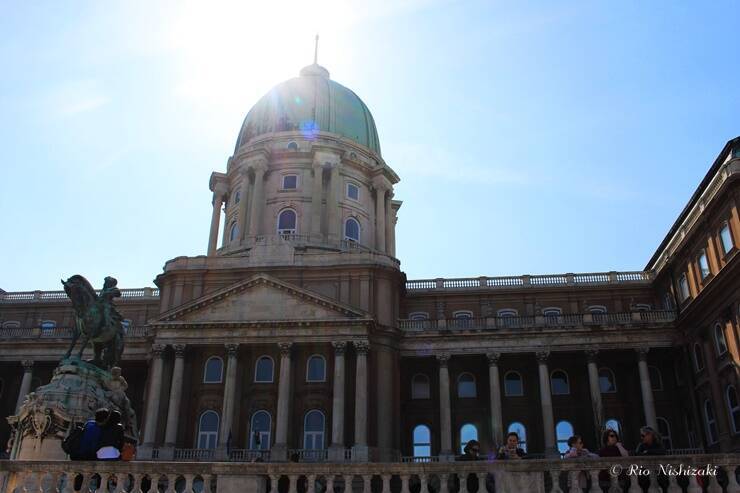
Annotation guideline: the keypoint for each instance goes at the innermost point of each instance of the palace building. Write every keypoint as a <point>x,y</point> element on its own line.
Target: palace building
<point>298,332</point>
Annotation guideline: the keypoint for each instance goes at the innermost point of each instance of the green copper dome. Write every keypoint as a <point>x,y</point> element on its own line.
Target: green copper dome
<point>311,103</point>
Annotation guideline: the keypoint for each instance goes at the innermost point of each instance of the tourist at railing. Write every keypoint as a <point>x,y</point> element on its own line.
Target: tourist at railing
<point>651,442</point>
<point>578,451</point>
<point>90,439</point>
<point>612,447</point>
<point>511,450</point>
<point>111,438</point>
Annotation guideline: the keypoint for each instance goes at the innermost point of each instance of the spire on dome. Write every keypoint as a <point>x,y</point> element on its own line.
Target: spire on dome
<point>315,70</point>
<point>316,51</point>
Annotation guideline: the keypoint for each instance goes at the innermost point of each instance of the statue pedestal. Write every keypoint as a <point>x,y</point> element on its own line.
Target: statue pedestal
<point>77,389</point>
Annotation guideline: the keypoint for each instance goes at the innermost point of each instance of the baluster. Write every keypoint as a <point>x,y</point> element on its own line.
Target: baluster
<point>189,482</point>
<point>443,487</point>
<point>86,479</point>
<point>573,486</point>
<point>311,486</point>
<point>171,480</point>
<point>367,483</point>
<point>347,483</point>
<point>594,474</point>
<point>121,483</point>
<point>292,483</point>
<point>33,484</point>
<point>634,484</point>
<point>69,482</point>
<point>387,483</point>
<point>732,486</point>
<point>673,486</point>
<point>614,483</point>
<point>463,483</point>
<point>405,483</point>
<point>555,477</point>
<point>714,486</point>
<point>274,484</point>
<point>693,485</point>
<point>136,484</point>
<point>207,483</point>
<point>55,477</point>
<point>482,481</point>
<point>654,486</point>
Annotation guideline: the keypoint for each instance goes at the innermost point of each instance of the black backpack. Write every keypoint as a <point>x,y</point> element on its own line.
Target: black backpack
<point>71,444</point>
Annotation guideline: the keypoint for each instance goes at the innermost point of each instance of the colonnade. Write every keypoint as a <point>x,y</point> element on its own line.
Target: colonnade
<point>279,448</point>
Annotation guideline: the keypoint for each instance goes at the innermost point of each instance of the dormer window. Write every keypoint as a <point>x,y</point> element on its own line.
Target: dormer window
<point>290,182</point>
<point>353,191</point>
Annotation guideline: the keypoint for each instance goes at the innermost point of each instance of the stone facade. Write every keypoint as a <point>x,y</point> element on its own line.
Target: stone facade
<point>300,328</point>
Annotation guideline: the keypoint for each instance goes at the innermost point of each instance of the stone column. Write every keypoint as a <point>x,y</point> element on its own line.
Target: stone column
<point>25,383</point>
<point>392,234</point>
<point>445,418</point>
<point>497,425</point>
<point>388,221</point>
<point>244,190</point>
<point>595,387</point>
<point>332,204</point>
<point>380,217</point>
<point>337,414</point>
<point>218,200</point>
<point>316,198</point>
<point>258,199</point>
<point>155,392</point>
<point>648,404</point>
<point>548,422</point>
<point>280,448</point>
<point>360,452</point>
<point>173,410</point>
<point>227,408</point>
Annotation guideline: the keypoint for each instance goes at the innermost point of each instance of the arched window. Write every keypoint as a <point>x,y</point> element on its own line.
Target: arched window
<point>513,385</point>
<point>419,316</point>
<point>463,319</point>
<point>733,408</point>
<point>467,432</point>
<point>313,430</point>
<point>683,287</point>
<point>292,146</point>
<point>710,421</point>
<point>719,340</point>
<point>599,309</point>
<point>552,311</point>
<point>287,222</point>
<point>563,431</point>
<point>613,424</point>
<point>668,301</point>
<point>698,357</point>
<point>11,324</point>
<point>259,436</point>
<point>420,386</point>
<point>704,270</point>
<point>126,324</point>
<point>466,385</point>
<point>664,428</point>
<point>352,230</point>
<point>726,236</point>
<point>642,307</point>
<point>507,312</point>
<point>559,384</point>
<point>213,371</point>
<point>208,430</point>
<point>507,317</point>
<point>264,369</point>
<point>422,438</point>
<point>656,379</point>
<point>521,431</point>
<point>607,382</point>
<point>316,369</point>
<point>234,231</point>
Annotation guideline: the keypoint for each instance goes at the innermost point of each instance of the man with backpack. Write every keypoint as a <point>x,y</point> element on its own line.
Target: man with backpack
<point>83,444</point>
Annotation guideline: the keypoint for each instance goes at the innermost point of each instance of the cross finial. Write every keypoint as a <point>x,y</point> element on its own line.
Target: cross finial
<point>316,51</point>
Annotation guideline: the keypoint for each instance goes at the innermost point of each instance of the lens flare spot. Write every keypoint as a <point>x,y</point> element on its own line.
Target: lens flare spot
<point>309,129</point>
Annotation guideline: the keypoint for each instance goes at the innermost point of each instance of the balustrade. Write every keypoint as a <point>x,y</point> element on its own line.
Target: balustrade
<point>526,281</point>
<point>624,475</point>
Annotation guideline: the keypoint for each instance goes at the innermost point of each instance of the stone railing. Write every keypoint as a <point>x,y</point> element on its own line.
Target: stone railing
<point>297,240</point>
<point>528,281</point>
<point>519,322</point>
<point>36,296</point>
<point>692,474</point>
<point>58,333</point>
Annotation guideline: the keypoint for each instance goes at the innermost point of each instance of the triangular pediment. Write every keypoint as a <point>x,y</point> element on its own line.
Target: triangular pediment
<point>259,298</point>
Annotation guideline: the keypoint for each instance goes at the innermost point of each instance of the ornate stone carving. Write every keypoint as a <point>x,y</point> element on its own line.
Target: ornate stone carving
<point>362,347</point>
<point>642,353</point>
<point>158,350</point>
<point>339,347</point>
<point>27,365</point>
<point>542,356</point>
<point>493,358</point>
<point>443,359</point>
<point>591,355</point>
<point>231,350</point>
<point>285,348</point>
<point>179,350</point>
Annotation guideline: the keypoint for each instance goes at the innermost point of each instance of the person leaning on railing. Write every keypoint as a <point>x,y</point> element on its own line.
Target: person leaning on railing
<point>511,450</point>
<point>612,447</point>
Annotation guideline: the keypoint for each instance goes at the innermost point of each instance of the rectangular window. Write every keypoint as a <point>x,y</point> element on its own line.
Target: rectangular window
<point>683,287</point>
<point>353,191</point>
<point>704,265</point>
<point>726,238</point>
<point>290,182</point>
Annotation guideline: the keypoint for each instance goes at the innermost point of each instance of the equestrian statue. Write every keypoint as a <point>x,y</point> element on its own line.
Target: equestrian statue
<point>97,320</point>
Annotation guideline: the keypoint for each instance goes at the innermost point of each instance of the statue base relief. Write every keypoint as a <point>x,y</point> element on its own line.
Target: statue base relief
<point>77,389</point>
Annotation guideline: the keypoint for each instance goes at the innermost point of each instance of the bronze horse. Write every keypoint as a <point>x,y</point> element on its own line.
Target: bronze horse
<point>97,320</point>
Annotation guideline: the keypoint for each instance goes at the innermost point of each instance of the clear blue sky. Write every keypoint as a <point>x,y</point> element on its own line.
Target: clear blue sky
<point>530,137</point>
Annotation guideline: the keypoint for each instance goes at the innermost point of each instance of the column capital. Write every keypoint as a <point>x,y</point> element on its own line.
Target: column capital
<point>158,350</point>
<point>642,353</point>
<point>591,354</point>
<point>362,347</point>
<point>443,359</point>
<point>179,350</point>
<point>285,348</point>
<point>339,347</point>
<point>542,356</point>
<point>231,350</point>
<point>382,184</point>
<point>258,165</point>
<point>27,365</point>
<point>493,358</point>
